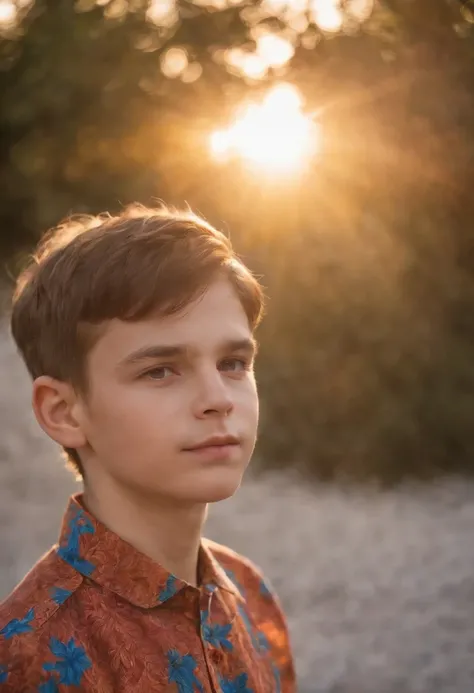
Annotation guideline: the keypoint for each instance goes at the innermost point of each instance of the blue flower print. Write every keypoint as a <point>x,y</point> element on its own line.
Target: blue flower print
<point>264,589</point>
<point>276,674</point>
<point>72,662</point>
<point>259,639</point>
<point>263,644</point>
<point>231,575</point>
<point>59,595</point>
<point>80,564</point>
<point>78,524</point>
<point>3,674</point>
<point>80,519</point>
<point>237,685</point>
<point>181,672</point>
<point>216,635</point>
<point>49,687</point>
<point>18,625</point>
<point>169,589</point>
<point>248,626</point>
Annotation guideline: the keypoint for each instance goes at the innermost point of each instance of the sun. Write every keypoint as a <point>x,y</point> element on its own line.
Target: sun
<point>274,135</point>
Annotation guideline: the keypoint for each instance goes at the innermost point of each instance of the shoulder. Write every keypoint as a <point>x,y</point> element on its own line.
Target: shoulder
<point>24,614</point>
<point>247,576</point>
<point>262,614</point>
<point>40,594</point>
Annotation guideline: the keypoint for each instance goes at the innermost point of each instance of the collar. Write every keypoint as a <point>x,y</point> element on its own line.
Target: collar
<point>102,556</point>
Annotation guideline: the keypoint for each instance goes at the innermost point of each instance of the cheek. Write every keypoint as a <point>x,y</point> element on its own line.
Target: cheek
<point>248,402</point>
<point>125,417</point>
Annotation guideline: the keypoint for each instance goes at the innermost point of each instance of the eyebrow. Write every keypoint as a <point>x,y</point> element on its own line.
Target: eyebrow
<point>157,351</point>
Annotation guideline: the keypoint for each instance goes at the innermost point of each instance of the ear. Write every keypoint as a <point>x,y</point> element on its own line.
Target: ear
<point>57,410</point>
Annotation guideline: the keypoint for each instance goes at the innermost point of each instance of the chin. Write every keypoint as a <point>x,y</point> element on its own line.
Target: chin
<point>218,488</point>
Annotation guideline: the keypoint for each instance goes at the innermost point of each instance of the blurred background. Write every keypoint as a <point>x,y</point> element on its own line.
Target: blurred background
<point>334,141</point>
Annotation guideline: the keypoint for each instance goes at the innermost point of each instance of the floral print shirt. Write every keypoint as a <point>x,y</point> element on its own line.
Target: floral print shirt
<point>96,615</point>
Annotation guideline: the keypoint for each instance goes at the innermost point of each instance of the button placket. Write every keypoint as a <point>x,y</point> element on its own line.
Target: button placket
<point>212,654</point>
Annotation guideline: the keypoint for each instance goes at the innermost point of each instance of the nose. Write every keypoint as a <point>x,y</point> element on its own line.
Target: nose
<point>213,397</point>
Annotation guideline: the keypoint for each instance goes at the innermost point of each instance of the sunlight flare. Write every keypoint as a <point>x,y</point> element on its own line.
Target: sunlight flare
<point>8,13</point>
<point>274,135</point>
<point>327,14</point>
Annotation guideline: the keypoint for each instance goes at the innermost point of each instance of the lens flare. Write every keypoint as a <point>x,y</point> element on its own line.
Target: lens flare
<point>274,135</point>
<point>8,13</point>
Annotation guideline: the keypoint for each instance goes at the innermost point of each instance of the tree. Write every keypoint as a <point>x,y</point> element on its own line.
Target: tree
<point>367,255</point>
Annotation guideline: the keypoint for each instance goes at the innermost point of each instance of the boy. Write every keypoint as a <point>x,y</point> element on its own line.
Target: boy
<point>138,333</point>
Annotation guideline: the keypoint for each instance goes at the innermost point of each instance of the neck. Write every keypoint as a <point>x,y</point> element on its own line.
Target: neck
<point>166,531</point>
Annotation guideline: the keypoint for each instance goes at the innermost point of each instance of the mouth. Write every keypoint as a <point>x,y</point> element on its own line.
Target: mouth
<point>217,442</point>
<point>219,449</point>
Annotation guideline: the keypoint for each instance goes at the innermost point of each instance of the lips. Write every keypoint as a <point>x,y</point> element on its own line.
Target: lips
<point>215,442</point>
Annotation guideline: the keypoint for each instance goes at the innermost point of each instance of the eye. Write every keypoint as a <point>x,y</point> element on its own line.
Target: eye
<point>158,373</point>
<point>235,365</point>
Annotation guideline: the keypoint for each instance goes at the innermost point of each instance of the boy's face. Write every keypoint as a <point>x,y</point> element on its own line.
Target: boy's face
<point>164,385</point>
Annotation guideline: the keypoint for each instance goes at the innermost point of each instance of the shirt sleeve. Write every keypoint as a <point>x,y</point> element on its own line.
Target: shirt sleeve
<point>274,626</point>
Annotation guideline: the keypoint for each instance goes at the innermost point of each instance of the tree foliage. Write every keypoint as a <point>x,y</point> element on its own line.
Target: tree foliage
<point>367,349</point>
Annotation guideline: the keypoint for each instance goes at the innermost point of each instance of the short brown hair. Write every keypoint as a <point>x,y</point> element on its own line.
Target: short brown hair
<point>91,269</point>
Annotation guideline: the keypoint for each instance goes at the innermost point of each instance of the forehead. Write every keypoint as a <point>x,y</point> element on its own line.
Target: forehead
<point>216,317</point>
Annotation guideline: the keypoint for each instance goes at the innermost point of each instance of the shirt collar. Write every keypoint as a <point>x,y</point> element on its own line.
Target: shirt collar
<point>102,556</point>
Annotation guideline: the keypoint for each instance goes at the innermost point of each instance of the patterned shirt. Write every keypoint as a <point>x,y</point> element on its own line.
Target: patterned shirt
<point>95,614</point>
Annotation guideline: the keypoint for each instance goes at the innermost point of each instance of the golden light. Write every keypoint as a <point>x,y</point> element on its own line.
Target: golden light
<point>216,4</point>
<point>274,50</point>
<point>163,13</point>
<point>327,14</point>
<point>174,62</point>
<point>8,13</point>
<point>360,9</point>
<point>284,8</point>
<point>253,66</point>
<point>274,135</point>
<point>192,72</point>
<point>248,64</point>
